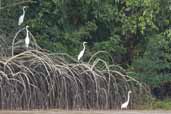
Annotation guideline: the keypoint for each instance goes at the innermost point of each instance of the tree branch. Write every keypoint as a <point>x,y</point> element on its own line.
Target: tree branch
<point>18,3</point>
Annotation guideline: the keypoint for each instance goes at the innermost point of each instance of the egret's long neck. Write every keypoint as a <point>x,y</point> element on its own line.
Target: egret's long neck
<point>24,11</point>
<point>27,32</point>
<point>84,46</point>
<point>128,97</point>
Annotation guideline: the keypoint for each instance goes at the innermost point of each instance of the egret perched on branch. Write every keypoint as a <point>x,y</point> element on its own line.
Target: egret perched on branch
<point>27,39</point>
<point>21,18</point>
<point>124,105</point>
<point>82,51</point>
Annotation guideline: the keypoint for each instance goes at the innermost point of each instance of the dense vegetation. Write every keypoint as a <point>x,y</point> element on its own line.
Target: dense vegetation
<point>135,32</point>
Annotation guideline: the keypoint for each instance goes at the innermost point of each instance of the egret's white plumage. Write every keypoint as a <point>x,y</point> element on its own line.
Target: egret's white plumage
<point>124,105</point>
<point>27,39</point>
<point>21,18</point>
<point>82,52</point>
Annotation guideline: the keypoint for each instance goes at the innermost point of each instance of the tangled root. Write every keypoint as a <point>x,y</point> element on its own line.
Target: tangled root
<point>38,80</point>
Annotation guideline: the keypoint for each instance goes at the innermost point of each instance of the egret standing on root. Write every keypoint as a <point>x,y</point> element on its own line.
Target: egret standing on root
<point>27,39</point>
<point>21,18</point>
<point>124,105</point>
<point>82,52</point>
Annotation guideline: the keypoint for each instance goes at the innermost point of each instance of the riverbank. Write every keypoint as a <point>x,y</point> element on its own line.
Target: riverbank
<point>88,112</point>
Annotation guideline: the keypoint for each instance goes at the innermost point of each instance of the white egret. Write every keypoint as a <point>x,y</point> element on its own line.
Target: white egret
<point>124,105</point>
<point>27,39</point>
<point>82,51</point>
<point>21,18</point>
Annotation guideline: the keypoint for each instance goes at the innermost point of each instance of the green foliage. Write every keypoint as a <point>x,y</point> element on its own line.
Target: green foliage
<point>140,15</point>
<point>155,104</point>
<point>165,104</point>
<point>155,65</point>
<point>102,23</point>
